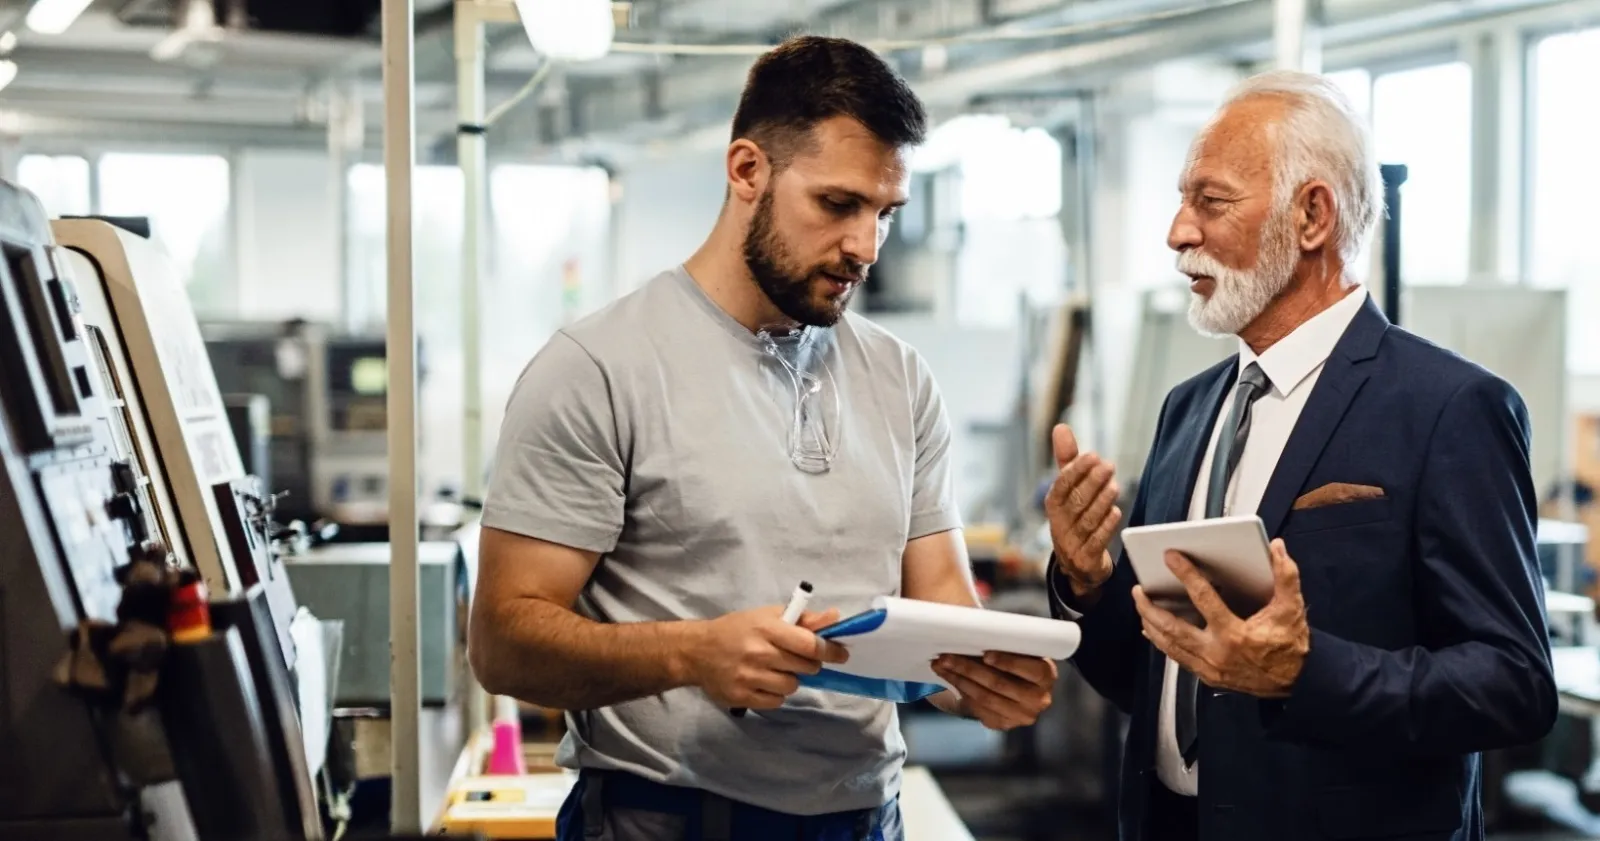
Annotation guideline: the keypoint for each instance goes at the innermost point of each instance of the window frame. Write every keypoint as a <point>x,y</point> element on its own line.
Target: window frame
<point>1532,37</point>
<point>94,151</point>
<point>1420,60</point>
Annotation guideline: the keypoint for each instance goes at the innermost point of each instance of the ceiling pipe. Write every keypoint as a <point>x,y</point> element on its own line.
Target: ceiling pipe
<point>1092,63</point>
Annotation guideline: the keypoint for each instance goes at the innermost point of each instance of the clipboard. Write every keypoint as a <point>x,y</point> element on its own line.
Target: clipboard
<point>893,645</point>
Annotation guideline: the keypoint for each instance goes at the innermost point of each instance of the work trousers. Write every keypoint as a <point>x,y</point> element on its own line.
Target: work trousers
<point>613,806</point>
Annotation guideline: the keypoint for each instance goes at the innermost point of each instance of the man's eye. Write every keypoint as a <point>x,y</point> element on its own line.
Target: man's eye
<point>838,206</point>
<point>888,215</point>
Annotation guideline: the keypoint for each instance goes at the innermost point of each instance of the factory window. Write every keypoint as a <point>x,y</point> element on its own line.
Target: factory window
<point>1422,118</point>
<point>1007,173</point>
<point>1017,177</point>
<point>549,256</point>
<point>186,200</point>
<point>60,181</point>
<point>1564,177</point>
<point>1010,196</point>
<point>439,207</point>
<point>1356,84</point>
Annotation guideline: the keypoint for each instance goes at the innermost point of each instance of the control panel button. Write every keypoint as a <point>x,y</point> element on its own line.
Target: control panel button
<point>122,474</point>
<point>123,506</point>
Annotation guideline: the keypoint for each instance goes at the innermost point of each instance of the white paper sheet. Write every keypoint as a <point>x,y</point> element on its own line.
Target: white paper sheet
<point>312,693</point>
<point>915,633</point>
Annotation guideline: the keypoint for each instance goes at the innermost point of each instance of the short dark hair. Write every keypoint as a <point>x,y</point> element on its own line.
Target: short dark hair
<point>808,79</point>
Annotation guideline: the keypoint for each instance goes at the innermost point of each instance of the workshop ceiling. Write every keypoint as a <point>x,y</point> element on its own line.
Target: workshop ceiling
<point>99,79</point>
<point>722,16</point>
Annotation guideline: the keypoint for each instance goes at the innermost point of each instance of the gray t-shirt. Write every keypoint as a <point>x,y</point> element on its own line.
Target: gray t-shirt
<point>656,432</point>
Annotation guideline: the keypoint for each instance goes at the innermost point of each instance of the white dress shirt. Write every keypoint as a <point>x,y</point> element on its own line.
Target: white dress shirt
<point>1292,365</point>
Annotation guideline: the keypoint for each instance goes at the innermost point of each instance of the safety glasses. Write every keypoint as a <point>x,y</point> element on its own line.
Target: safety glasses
<point>814,426</point>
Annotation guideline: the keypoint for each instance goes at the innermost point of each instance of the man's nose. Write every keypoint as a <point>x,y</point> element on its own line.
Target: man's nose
<point>1184,233</point>
<point>862,242</point>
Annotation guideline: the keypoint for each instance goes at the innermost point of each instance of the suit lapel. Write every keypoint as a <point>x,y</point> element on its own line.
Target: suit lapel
<point>1170,501</point>
<point>1189,448</point>
<point>1341,378</point>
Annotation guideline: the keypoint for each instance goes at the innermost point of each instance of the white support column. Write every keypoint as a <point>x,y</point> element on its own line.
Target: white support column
<point>346,135</point>
<point>1483,235</point>
<point>339,195</point>
<point>472,156</point>
<point>1078,210</point>
<point>1499,74</point>
<point>405,667</point>
<point>1512,48</point>
<point>10,154</point>
<point>1296,37</point>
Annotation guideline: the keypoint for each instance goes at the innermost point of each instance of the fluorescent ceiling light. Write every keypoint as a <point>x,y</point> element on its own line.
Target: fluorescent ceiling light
<point>568,30</point>
<point>52,17</point>
<point>198,26</point>
<point>8,42</point>
<point>8,71</point>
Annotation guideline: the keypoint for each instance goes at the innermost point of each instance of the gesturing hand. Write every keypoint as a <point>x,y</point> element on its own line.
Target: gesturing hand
<point>1004,691</point>
<point>753,659</point>
<point>1081,506</point>
<point>1260,656</point>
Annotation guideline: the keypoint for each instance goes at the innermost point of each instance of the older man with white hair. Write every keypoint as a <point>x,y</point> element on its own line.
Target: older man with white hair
<point>1406,633</point>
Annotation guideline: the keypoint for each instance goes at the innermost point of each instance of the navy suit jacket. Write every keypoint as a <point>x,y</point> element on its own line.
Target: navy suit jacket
<point>1428,635</point>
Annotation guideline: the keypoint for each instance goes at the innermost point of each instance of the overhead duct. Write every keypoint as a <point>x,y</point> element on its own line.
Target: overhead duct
<point>700,93</point>
<point>336,18</point>
<point>328,18</point>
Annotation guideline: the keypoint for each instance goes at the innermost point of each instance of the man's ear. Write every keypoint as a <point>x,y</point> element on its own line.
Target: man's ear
<point>748,170</point>
<point>1316,216</point>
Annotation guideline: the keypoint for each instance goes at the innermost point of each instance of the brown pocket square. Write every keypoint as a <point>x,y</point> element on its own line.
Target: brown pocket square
<point>1337,493</point>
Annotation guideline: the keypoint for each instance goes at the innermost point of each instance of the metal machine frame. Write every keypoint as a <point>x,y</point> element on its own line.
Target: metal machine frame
<point>137,298</point>
<point>120,698</point>
<point>70,523</point>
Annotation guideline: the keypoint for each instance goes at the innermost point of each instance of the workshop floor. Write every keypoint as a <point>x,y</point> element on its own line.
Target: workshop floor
<point>1022,810</point>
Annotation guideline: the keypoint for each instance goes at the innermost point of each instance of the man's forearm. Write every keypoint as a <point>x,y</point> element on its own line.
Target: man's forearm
<point>1465,698</point>
<point>547,655</point>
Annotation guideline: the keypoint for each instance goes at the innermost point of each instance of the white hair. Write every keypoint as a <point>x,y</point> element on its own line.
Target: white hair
<point>1322,138</point>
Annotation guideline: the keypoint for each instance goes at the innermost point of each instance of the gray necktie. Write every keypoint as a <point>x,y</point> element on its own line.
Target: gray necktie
<point>1230,445</point>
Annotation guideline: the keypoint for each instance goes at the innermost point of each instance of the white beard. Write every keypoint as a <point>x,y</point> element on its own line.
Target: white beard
<point>1240,296</point>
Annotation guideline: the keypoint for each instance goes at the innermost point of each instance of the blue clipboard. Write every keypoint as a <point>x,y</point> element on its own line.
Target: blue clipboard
<point>897,691</point>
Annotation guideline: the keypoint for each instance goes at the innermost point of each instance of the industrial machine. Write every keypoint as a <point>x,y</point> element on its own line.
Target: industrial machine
<point>136,309</point>
<point>350,582</point>
<point>137,701</point>
<point>327,393</point>
<point>269,361</point>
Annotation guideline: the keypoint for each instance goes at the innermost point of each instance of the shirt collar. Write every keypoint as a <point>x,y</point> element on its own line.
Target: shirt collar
<point>1288,362</point>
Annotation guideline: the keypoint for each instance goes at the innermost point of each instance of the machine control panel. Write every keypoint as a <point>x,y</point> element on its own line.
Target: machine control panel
<point>55,401</point>
<point>73,520</point>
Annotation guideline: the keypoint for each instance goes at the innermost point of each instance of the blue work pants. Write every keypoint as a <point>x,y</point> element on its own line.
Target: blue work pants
<point>613,806</point>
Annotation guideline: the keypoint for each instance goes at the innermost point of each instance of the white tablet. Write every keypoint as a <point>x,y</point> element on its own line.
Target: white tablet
<point>1232,552</point>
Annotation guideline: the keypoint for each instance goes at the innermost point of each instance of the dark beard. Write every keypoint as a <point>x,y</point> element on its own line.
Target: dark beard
<point>789,291</point>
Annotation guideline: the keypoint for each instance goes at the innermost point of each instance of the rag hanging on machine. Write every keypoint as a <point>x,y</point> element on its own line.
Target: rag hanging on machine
<point>119,665</point>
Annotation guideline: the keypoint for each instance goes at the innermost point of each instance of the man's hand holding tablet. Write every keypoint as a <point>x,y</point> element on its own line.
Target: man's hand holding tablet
<point>1252,635</point>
